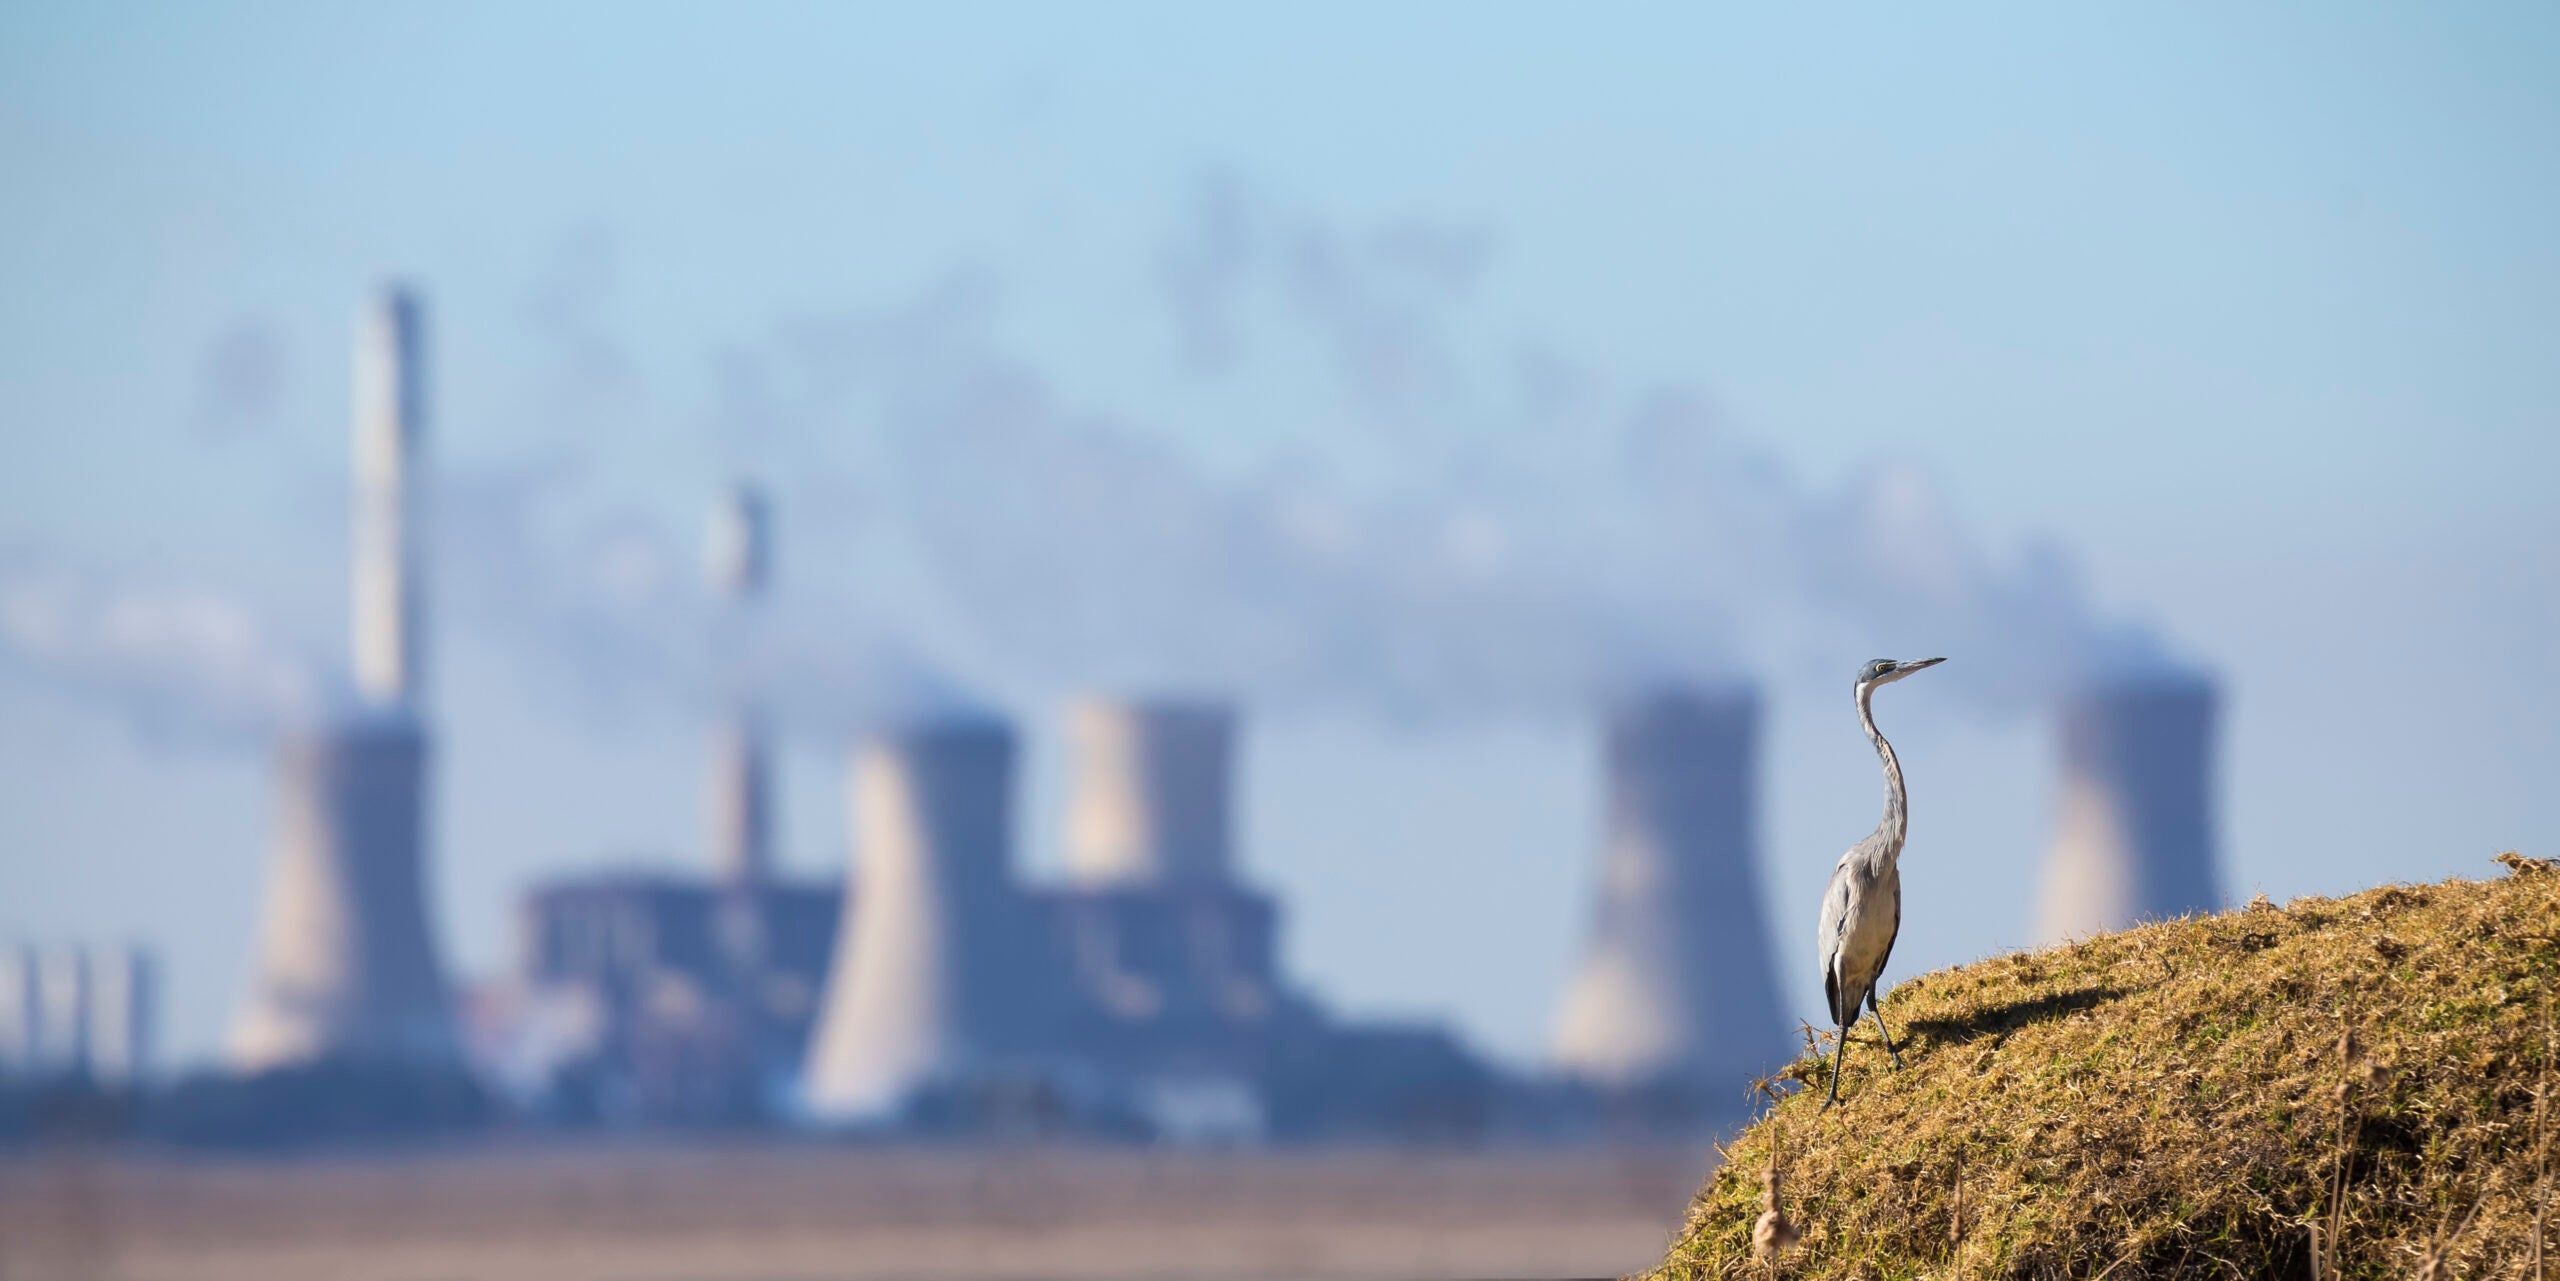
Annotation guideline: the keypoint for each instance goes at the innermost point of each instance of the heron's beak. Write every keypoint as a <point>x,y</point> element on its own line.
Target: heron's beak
<point>1926,662</point>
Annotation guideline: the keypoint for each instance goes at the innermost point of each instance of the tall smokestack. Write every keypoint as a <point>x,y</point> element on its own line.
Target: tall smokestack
<point>390,426</point>
<point>347,967</point>
<point>2135,836</point>
<point>741,802</point>
<point>925,982</point>
<point>1151,795</point>
<point>741,776</point>
<point>1676,989</point>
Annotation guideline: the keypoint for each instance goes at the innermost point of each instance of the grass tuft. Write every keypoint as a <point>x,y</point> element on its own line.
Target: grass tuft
<point>2336,1088</point>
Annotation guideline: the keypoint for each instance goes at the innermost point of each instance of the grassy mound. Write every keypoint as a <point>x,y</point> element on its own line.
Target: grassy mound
<point>2200,1097</point>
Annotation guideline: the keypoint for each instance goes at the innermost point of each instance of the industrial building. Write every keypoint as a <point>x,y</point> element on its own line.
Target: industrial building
<point>665,995</point>
<point>931,986</point>
<point>1140,997</point>
<point>78,1013</point>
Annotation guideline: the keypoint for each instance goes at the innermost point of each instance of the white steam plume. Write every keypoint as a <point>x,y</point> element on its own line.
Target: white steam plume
<point>181,666</point>
<point>1540,539</point>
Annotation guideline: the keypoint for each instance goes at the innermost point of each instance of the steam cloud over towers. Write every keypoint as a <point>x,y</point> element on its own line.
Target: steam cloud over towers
<point>923,981</point>
<point>346,963</point>
<point>1676,991</point>
<point>1150,802</point>
<point>2135,836</point>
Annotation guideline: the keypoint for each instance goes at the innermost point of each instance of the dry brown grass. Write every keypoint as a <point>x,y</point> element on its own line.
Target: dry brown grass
<point>2201,1097</point>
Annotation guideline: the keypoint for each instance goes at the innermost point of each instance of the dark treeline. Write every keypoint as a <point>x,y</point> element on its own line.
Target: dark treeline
<point>328,1102</point>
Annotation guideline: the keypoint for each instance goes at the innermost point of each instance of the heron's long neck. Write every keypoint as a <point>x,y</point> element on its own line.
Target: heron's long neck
<point>1897,816</point>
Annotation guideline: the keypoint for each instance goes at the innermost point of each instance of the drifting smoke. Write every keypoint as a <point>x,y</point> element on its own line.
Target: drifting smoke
<point>1535,540</point>
<point>241,382</point>
<point>588,382</point>
<point>1201,272</point>
<point>1371,297</point>
<point>1492,529</point>
<point>1096,556</point>
<point>608,602</point>
<point>614,610</point>
<point>178,666</point>
<point>610,611</point>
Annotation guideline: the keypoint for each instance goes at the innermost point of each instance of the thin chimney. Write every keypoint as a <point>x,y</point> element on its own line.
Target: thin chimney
<point>390,425</point>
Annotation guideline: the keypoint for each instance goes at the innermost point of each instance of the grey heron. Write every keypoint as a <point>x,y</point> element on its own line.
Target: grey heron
<point>1862,907</point>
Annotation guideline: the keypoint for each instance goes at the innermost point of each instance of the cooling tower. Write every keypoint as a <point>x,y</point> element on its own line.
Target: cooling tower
<point>927,980</point>
<point>1676,989</point>
<point>346,968</point>
<point>390,423</point>
<point>2135,837</point>
<point>1150,799</point>
<point>123,994</point>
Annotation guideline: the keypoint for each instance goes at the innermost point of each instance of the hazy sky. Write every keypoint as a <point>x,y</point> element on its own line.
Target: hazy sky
<point>2247,319</point>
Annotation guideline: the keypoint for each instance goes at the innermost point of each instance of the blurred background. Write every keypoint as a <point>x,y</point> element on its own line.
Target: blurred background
<point>1158,580</point>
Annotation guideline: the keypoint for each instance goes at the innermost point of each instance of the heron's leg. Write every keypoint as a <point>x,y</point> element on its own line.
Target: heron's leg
<point>1878,1011</point>
<point>1839,1053</point>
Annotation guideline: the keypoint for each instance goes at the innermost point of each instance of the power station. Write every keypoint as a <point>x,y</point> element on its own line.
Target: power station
<point>934,984</point>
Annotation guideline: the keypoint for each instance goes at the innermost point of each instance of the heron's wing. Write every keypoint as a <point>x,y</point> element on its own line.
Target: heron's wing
<point>1887,958</point>
<point>1835,917</point>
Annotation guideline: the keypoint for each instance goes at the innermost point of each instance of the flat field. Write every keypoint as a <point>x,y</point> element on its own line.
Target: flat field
<point>784,1212</point>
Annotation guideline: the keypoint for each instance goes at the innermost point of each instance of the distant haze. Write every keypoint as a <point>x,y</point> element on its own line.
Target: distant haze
<point>1416,378</point>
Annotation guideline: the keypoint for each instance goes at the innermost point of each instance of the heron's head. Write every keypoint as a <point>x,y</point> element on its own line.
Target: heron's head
<point>1885,671</point>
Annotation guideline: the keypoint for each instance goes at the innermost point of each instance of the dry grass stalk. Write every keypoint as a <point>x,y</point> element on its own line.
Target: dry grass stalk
<point>1955,1216</point>
<point>2431,1265</point>
<point>2324,1244</point>
<point>2541,1144</point>
<point>1773,1235</point>
<point>2518,865</point>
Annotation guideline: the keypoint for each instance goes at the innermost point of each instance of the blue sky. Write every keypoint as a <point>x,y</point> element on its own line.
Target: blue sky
<point>2251,312</point>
